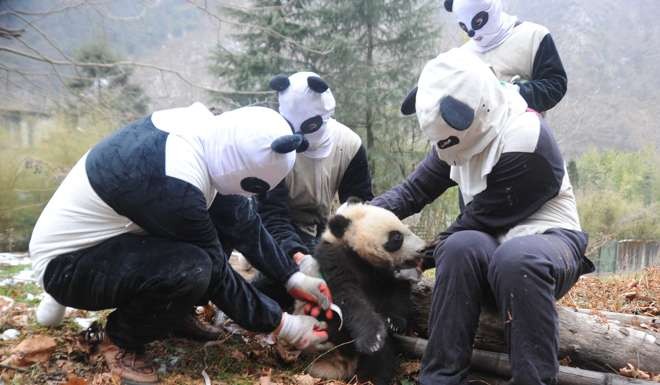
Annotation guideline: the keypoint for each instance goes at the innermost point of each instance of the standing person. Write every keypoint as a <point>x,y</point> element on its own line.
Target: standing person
<point>334,164</point>
<point>520,52</point>
<point>140,223</point>
<point>517,243</point>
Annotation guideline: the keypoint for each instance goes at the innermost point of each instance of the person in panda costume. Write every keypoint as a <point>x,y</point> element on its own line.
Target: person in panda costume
<point>517,243</point>
<point>520,52</point>
<point>143,221</point>
<point>334,163</point>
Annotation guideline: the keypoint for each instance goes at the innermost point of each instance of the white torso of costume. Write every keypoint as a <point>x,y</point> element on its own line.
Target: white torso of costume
<point>515,56</point>
<point>314,182</point>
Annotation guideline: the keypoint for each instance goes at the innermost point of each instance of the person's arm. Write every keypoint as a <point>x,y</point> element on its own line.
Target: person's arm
<point>180,213</point>
<point>427,182</point>
<point>236,218</point>
<point>274,210</point>
<point>549,82</point>
<point>356,181</point>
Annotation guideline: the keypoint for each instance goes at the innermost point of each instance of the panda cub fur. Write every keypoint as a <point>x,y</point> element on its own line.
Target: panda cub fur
<point>359,254</point>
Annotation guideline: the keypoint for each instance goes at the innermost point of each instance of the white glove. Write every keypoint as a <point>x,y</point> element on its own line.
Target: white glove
<point>49,311</point>
<point>309,289</point>
<point>302,331</point>
<point>308,265</point>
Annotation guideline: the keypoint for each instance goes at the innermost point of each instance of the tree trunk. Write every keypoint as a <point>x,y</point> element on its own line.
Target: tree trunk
<point>590,341</point>
<point>496,365</point>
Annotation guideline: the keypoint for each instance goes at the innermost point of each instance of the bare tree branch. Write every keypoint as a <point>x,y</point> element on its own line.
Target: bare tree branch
<point>10,33</point>
<point>127,63</point>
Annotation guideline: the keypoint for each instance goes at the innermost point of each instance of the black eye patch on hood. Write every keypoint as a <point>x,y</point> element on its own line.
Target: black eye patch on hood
<point>254,185</point>
<point>457,114</point>
<point>479,20</point>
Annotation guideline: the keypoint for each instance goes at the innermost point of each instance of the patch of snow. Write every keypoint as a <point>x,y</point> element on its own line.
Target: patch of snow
<point>9,334</point>
<point>14,259</point>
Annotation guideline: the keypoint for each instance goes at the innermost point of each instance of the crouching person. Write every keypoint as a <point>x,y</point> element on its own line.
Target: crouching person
<point>517,243</point>
<point>143,221</point>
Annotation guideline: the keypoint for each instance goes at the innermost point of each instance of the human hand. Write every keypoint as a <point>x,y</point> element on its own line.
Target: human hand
<point>307,264</point>
<point>309,289</point>
<point>302,332</point>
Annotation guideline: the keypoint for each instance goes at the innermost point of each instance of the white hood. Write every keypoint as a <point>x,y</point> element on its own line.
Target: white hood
<point>478,109</point>
<point>237,145</point>
<point>298,103</point>
<point>498,27</point>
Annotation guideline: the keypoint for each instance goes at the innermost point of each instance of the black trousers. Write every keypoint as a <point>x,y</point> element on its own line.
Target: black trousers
<point>522,278</point>
<point>152,282</point>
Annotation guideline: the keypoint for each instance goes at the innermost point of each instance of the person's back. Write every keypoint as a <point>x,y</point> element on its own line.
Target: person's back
<point>519,52</point>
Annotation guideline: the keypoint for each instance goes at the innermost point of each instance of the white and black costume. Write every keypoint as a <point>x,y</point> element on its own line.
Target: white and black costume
<point>518,236</point>
<point>334,162</point>
<point>295,212</point>
<point>140,222</point>
<point>520,52</point>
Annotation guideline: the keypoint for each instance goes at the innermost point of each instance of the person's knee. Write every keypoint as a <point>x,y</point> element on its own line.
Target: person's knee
<point>516,261</point>
<point>190,277</point>
<point>464,249</point>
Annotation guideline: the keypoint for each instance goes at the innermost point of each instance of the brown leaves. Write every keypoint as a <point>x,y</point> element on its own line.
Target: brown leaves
<point>32,350</point>
<point>637,295</point>
<point>631,371</point>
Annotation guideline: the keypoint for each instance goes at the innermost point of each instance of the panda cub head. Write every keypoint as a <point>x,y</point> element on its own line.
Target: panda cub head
<point>375,234</point>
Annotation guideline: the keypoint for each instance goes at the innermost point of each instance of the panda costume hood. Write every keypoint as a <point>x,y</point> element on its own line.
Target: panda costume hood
<point>307,103</point>
<point>484,21</point>
<point>465,112</point>
<point>247,151</point>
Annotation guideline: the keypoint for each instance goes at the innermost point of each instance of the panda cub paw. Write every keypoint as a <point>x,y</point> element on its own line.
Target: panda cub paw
<point>373,340</point>
<point>396,324</point>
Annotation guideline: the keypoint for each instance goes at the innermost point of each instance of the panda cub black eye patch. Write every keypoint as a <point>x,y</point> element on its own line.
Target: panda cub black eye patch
<point>394,241</point>
<point>479,20</point>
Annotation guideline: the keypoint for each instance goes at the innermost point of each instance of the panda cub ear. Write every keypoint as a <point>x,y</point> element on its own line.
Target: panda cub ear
<point>338,225</point>
<point>353,200</point>
<point>449,5</point>
<point>279,83</point>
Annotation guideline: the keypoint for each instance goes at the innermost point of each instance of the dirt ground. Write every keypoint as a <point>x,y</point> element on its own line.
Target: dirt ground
<point>66,358</point>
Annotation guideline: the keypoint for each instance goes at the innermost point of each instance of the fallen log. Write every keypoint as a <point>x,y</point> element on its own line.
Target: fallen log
<point>622,318</point>
<point>498,364</point>
<point>588,340</point>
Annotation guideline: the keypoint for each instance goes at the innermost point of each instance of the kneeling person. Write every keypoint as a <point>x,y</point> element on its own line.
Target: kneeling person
<point>140,224</point>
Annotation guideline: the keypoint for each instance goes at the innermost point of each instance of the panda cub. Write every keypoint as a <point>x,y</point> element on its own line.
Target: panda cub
<point>359,255</point>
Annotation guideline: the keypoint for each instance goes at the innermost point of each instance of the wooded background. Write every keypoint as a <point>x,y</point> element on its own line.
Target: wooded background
<point>71,71</point>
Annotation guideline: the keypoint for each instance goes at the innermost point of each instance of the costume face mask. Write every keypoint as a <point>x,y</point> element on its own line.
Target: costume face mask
<point>460,105</point>
<point>483,21</point>
<point>249,150</point>
<point>307,103</point>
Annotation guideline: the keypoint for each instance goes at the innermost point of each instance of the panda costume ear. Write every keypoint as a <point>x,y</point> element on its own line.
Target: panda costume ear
<point>408,105</point>
<point>317,84</point>
<point>287,143</point>
<point>449,5</point>
<point>279,83</point>
<point>338,225</point>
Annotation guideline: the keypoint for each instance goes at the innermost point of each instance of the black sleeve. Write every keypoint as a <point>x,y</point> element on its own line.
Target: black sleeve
<point>357,178</point>
<point>427,182</point>
<point>274,209</point>
<point>519,184</point>
<point>180,213</point>
<point>236,218</point>
<point>548,84</point>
